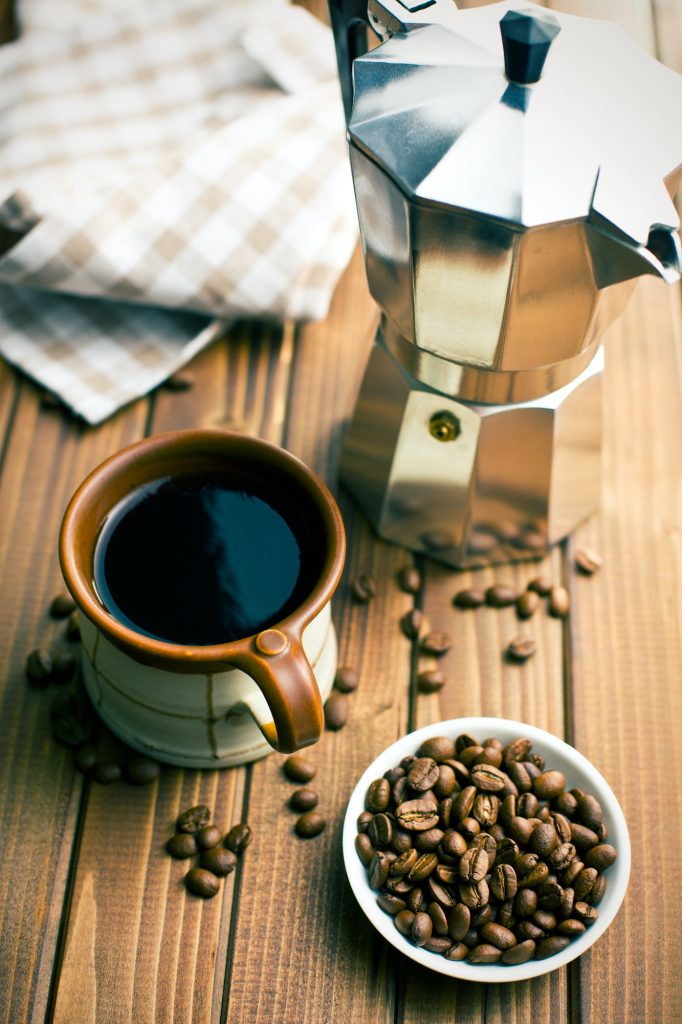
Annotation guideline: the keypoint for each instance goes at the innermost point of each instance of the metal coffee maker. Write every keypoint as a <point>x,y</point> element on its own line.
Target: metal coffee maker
<point>513,175</point>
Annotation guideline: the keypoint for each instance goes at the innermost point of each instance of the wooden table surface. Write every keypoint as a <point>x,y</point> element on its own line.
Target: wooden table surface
<point>95,924</point>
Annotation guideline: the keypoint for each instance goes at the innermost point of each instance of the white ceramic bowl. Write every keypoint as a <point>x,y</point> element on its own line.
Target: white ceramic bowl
<point>558,755</point>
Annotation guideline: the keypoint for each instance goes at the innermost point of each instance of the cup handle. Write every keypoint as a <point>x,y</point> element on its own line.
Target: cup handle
<point>278,665</point>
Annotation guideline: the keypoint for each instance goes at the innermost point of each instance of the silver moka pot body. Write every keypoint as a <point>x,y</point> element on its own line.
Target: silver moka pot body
<point>513,174</point>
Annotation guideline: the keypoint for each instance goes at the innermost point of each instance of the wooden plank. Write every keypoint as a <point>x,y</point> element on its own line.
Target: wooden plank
<point>158,954</point>
<point>668,31</point>
<point>46,455</point>
<point>295,907</point>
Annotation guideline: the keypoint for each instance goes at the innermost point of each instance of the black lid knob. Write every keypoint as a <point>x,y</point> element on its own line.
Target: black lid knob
<point>526,39</point>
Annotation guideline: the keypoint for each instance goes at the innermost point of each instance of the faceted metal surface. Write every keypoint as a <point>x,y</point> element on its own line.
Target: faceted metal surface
<point>508,482</point>
<point>502,223</point>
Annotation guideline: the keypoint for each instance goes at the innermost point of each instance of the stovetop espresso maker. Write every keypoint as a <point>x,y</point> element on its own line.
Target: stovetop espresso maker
<point>513,174</point>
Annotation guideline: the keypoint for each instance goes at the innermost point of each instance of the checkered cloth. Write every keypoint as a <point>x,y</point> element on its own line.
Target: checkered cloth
<point>165,167</point>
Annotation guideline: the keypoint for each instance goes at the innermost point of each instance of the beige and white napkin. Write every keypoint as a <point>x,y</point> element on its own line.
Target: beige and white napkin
<point>166,167</point>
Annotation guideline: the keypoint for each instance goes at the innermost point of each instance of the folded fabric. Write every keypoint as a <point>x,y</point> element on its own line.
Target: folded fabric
<point>164,171</point>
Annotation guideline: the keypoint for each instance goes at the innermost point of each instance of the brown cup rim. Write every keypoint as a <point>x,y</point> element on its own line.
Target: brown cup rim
<point>209,440</point>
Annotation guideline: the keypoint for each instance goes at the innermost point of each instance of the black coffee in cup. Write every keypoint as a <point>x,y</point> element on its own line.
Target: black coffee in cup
<point>205,558</point>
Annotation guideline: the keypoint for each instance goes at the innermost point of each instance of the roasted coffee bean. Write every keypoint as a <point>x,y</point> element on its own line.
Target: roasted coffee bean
<point>141,771</point>
<point>489,755</point>
<point>364,848</point>
<point>526,930</point>
<point>567,902</point>
<point>422,775</point>
<point>525,862</point>
<point>39,668</point>
<point>417,815</point>
<point>61,606</point>
<point>487,778</point>
<point>218,861</point>
<point>501,596</point>
<point>407,762</point>
<point>69,730</point>
<point>409,579</point>
<point>549,784</point>
<point>497,832</point>
<point>542,586</point>
<point>400,887</point>
<point>545,919</point>
<point>601,857</point>
<point>516,750</point>
<point>363,589</point>
<point>521,779</point>
<point>550,945</point>
<point>63,667</point>
<point>550,895</point>
<point>474,894</point>
<point>485,841</point>
<point>483,916</point>
<point>559,605</point>
<point>393,774</point>
<point>453,844</point>
<point>436,644</point>
<point>527,604</point>
<point>423,867</point>
<point>208,837</point>
<point>569,874</point>
<point>73,627</point>
<point>583,837</point>
<point>106,772</point>
<point>438,918</point>
<point>589,812</point>
<point>335,712</point>
<point>303,800</point>
<point>379,865</point>
<point>474,865</point>
<point>521,829</point>
<point>404,863</point>
<point>458,951</point>
<point>534,765</point>
<point>536,877</point>
<point>570,927</point>
<point>505,914</point>
<point>438,944</point>
<point>497,935</point>
<point>430,680</point>
<point>521,953</point>
<point>584,883</point>
<point>566,804</point>
<point>181,381</point>
<point>485,809</point>
<point>85,757</point>
<point>484,953</point>
<point>402,840</point>
<point>469,754</point>
<point>429,840</point>
<point>380,830</point>
<point>520,649</point>
<point>469,828</point>
<point>507,851</point>
<point>587,562</point>
<point>411,623</point>
<point>202,883</point>
<point>438,748</point>
<point>399,790</point>
<point>503,882</point>
<point>448,874</point>
<point>562,826</point>
<point>525,902</point>
<point>471,598</point>
<point>422,928</point>
<point>182,845</point>
<point>346,679</point>
<point>463,741</point>
<point>403,922</point>
<point>391,904</point>
<point>544,839</point>
<point>378,795</point>
<point>298,768</point>
<point>527,804</point>
<point>363,820</point>
<point>445,784</point>
<point>585,913</point>
<point>310,824</point>
<point>416,900</point>
<point>561,856</point>
<point>240,835</point>
<point>440,892</point>
<point>459,921</point>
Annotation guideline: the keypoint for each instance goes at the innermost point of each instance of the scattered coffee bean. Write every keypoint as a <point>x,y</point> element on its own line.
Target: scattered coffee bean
<point>346,679</point>
<point>142,770</point>
<point>239,837</point>
<point>489,873</point>
<point>471,598</point>
<point>62,605</point>
<point>521,648</point>
<point>208,837</point>
<point>430,680</point>
<point>411,623</point>
<point>202,883</point>
<point>181,381</point>
<point>542,586</point>
<point>85,757</point>
<point>63,667</point>
<point>73,627</point>
<point>335,712</point>
<point>67,722</point>
<point>527,604</point>
<point>39,667</point>
<point>303,800</point>
<point>299,768</point>
<point>559,602</point>
<point>182,845</point>
<point>436,644</point>
<point>106,772</point>
<point>218,861</point>
<point>311,824</point>
<point>363,589</point>
<point>501,596</point>
<point>194,819</point>
<point>587,562</point>
<point>409,580</point>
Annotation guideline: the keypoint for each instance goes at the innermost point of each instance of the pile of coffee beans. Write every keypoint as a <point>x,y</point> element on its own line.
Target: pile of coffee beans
<point>503,595</point>
<point>480,853</point>
<point>196,836</point>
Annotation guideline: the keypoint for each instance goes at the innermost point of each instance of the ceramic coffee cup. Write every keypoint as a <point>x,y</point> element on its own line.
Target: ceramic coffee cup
<point>209,706</point>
